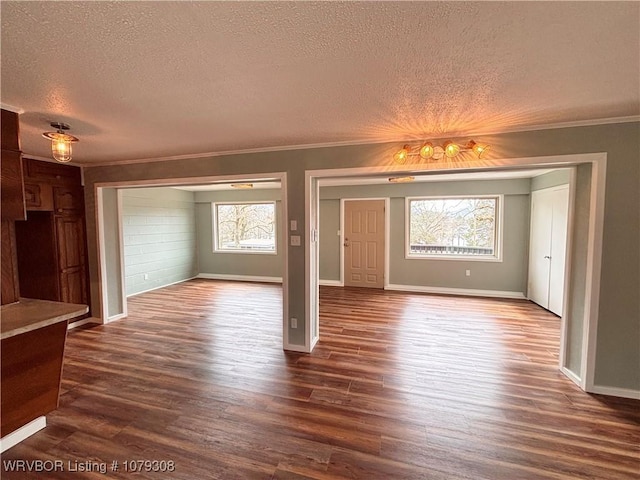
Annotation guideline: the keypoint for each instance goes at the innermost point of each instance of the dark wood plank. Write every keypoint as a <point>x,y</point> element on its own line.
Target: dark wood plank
<point>31,373</point>
<point>9,263</point>
<point>400,386</point>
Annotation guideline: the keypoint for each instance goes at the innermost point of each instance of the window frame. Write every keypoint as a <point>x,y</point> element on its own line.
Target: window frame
<point>214,228</point>
<point>498,233</point>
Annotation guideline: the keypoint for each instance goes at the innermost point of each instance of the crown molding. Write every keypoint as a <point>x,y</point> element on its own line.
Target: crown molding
<point>11,108</point>
<point>551,126</point>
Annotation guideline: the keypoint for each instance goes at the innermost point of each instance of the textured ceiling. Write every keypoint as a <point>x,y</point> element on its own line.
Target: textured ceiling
<point>156,79</point>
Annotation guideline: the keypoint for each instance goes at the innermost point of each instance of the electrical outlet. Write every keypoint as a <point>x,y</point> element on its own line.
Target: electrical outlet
<point>146,276</point>
<point>468,273</point>
<point>294,323</point>
<point>295,240</point>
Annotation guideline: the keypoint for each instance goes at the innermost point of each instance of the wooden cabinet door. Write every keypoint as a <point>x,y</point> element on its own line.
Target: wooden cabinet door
<point>12,186</point>
<point>71,259</point>
<point>68,200</point>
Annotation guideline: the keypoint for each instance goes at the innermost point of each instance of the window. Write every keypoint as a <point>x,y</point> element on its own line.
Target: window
<point>244,227</point>
<point>454,227</point>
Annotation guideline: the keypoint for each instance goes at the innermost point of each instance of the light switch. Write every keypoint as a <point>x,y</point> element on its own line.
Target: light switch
<point>294,225</point>
<point>295,240</point>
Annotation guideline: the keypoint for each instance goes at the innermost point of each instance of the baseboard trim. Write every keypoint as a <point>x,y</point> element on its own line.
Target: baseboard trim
<point>290,347</point>
<point>116,317</point>
<point>467,292</point>
<point>571,376</point>
<point>84,321</point>
<point>22,433</point>
<point>615,392</point>
<point>331,283</point>
<point>161,286</point>
<point>240,278</point>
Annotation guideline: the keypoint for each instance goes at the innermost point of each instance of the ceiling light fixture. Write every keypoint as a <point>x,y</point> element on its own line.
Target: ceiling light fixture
<point>60,142</point>
<point>448,149</point>
<point>242,185</point>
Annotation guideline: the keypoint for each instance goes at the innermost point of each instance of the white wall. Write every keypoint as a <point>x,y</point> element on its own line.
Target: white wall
<point>159,237</point>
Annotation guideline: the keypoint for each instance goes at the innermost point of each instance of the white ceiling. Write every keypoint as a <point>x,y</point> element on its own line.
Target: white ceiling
<point>158,79</point>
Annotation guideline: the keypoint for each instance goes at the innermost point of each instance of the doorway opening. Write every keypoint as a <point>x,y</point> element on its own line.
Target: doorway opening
<point>587,185</point>
<point>131,264</point>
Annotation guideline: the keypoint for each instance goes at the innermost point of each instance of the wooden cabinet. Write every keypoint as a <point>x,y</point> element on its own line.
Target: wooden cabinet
<point>12,191</point>
<point>71,259</point>
<point>38,196</point>
<point>11,204</point>
<point>51,173</point>
<point>51,242</point>
<point>68,200</point>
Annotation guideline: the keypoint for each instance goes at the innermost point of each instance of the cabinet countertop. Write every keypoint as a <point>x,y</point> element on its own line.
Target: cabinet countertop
<point>30,314</point>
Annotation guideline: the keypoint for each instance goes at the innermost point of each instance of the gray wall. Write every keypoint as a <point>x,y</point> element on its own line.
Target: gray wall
<point>226,263</point>
<point>551,179</point>
<point>618,348</point>
<point>159,237</point>
<point>508,275</point>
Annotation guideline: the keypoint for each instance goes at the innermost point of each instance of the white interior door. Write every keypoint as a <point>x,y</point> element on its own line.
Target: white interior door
<point>364,237</point>
<point>547,247</point>
<point>540,248</point>
<point>560,202</point>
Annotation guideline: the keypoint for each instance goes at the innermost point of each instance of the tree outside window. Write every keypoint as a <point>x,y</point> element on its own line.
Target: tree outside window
<point>245,227</point>
<point>452,226</point>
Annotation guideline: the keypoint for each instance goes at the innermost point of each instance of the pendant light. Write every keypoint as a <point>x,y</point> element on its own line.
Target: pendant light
<point>60,142</point>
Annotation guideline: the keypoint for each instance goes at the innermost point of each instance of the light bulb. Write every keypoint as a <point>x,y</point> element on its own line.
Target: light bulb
<point>426,151</point>
<point>60,142</point>
<point>401,155</point>
<point>451,149</point>
<point>478,149</point>
<point>61,150</point>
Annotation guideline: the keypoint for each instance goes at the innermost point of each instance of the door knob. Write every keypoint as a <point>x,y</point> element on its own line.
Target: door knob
<point>547,256</point>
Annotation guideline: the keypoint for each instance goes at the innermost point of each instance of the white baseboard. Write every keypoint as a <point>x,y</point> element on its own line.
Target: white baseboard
<point>295,348</point>
<point>331,283</point>
<point>240,278</point>
<point>313,343</point>
<point>22,433</point>
<point>615,392</point>
<point>84,321</point>
<point>115,317</point>
<point>571,376</point>
<point>161,286</point>
<point>467,292</point>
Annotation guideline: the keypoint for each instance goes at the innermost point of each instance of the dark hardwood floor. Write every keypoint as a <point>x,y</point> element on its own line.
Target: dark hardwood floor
<point>401,386</point>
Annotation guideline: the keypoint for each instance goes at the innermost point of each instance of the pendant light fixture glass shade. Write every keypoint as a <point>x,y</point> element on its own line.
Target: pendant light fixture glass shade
<point>61,142</point>
<point>426,151</point>
<point>478,149</point>
<point>451,149</point>
<point>401,155</point>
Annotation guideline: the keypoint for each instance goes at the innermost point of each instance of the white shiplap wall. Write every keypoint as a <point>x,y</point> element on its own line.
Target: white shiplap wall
<point>159,237</point>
